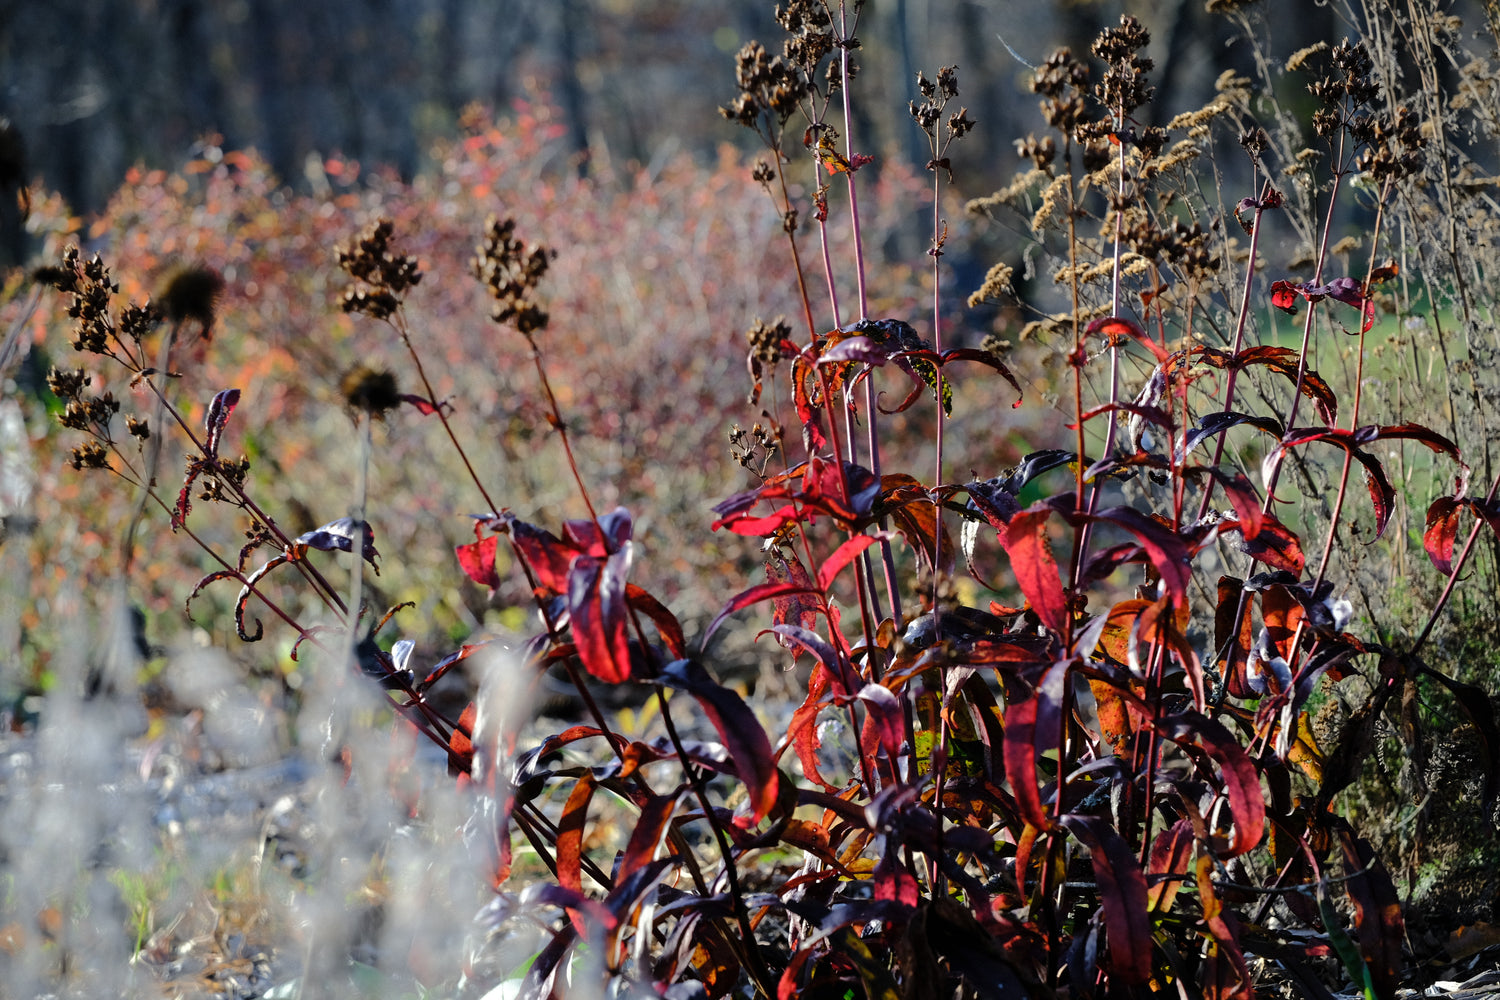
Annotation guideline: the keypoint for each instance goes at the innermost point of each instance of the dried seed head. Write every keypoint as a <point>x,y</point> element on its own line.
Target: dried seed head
<point>959,125</point>
<point>89,455</point>
<point>511,271</point>
<point>1039,151</point>
<point>1255,141</point>
<point>765,339</point>
<point>1124,87</point>
<point>382,277</point>
<point>190,293</point>
<point>370,390</point>
<point>947,82</point>
<point>67,385</point>
<point>996,285</point>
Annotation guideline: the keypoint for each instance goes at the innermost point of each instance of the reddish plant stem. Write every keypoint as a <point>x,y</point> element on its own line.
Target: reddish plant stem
<point>1239,339</point>
<point>402,329</point>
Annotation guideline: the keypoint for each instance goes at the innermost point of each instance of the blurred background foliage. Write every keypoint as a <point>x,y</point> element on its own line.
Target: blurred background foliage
<point>94,88</point>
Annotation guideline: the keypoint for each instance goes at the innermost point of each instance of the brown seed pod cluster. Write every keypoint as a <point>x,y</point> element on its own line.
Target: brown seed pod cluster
<point>511,271</point>
<point>382,277</point>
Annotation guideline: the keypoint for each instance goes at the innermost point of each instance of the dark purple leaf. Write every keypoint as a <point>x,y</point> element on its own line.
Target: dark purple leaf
<point>219,409</point>
<point>737,727</point>
<point>339,536</point>
<point>1122,893</point>
<point>1377,914</point>
<point>1240,778</point>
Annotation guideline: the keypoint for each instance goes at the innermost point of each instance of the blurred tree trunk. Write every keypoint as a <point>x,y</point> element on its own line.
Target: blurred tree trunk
<point>570,20</point>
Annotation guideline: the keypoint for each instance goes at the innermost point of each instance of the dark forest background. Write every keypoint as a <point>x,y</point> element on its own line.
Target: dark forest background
<point>91,87</point>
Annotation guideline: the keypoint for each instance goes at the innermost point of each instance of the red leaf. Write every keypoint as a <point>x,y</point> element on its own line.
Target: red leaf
<point>884,711</point>
<point>597,609</point>
<point>841,557</point>
<point>1285,361</point>
<point>1115,328</point>
<point>1246,504</point>
<point>1275,545</point>
<point>1165,548</point>
<point>907,501</point>
<point>570,829</point>
<point>802,730</point>
<point>1284,296</point>
<point>650,827</point>
<point>793,609</point>
<point>1122,892</point>
<point>1225,975</point>
<point>894,883</point>
<point>1377,913</point>
<point>1237,770</point>
<point>1025,541</point>
<point>807,412</point>
<point>742,523</point>
<point>1233,648</point>
<point>1171,853</point>
<point>548,556</point>
<point>1031,730</point>
<point>737,727</point>
<point>666,623</point>
<point>424,405</point>
<point>478,561</point>
<point>1382,494</point>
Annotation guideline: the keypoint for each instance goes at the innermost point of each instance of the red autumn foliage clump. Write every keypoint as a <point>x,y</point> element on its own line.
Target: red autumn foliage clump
<point>1052,734</point>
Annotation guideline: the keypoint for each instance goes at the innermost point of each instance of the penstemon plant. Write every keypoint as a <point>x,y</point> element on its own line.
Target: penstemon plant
<point>1105,781</point>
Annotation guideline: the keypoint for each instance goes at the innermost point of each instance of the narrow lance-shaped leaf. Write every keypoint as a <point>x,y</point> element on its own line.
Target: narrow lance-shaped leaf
<point>666,623</point>
<point>1171,854</point>
<point>1115,329</point>
<point>1031,731</point>
<point>598,611</point>
<point>1284,361</point>
<point>646,837</point>
<point>1025,541</point>
<point>570,833</point>
<point>842,556</point>
<point>737,727</point>
<point>1122,893</point>
<point>1241,779</point>
<point>1226,975</point>
<point>1377,914</point>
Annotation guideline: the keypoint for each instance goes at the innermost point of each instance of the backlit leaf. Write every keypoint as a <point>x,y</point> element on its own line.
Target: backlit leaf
<point>737,727</point>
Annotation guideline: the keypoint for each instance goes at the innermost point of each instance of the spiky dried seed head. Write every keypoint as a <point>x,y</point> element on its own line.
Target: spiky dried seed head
<point>370,390</point>
<point>191,293</point>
